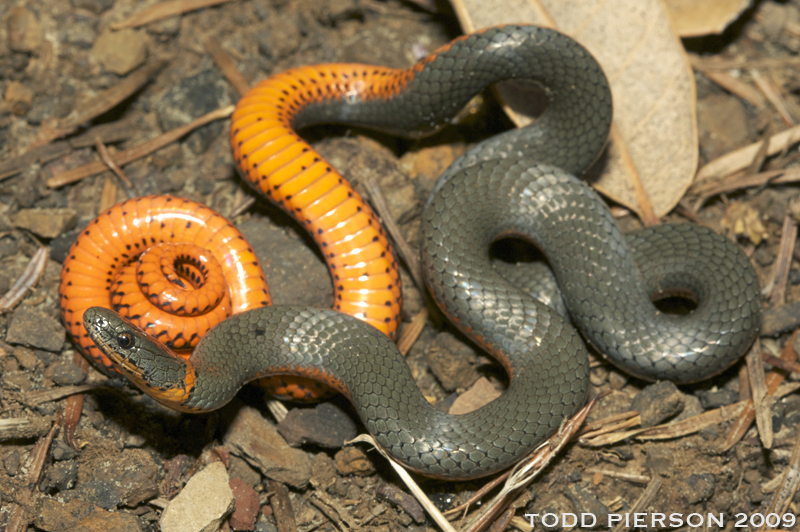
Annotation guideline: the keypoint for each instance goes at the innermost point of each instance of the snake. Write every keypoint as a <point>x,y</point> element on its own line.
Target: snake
<point>522,183</point>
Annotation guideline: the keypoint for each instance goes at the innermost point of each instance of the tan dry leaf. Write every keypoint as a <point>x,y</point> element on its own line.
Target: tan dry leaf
<point>691,18</point>
<point>651,81</point>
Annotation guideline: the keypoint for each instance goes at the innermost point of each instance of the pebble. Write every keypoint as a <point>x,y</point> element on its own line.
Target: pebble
<point>25,33</point>
<point>47,223</point>
<point>616,380</point>
<point>12,463</point>
<point>402,499</point>
<point>280,38</point>
<point>239,468</point>
<point>324,471</point>
<point>68,374</point>
<point>699,487</point>
<point>353,461</point>
<point>452,362</point>
<point>98,492</point>
<point>80,31</point>
<point>325,425</point>
<point>791,411</point>
<point>131,474</point>
<point>288,264</point>
<point>660,459</point>
<point>780,319</point>
<point>61,451</point>
<point>202,504</point>
<point>26,358</point>
<point>32,327</point>
<point>120,51</point>
<point>255,439</point>
<point>585,502</point>
<point>722,124</point>
<point>753,477</point>
<point>60,477</point>
<point>246,506</point>
<point>717,398</point>
<point>55,516</point>
<point>18,97</point>
<point>658,402</point>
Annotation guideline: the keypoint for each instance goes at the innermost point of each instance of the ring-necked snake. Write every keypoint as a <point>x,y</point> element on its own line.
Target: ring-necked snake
<point>513,184</point>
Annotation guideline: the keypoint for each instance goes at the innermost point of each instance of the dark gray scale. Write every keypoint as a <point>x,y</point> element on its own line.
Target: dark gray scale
<point>606,279</point>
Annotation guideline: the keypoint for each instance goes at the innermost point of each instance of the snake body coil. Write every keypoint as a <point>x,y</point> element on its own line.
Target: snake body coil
<point>516,183</point>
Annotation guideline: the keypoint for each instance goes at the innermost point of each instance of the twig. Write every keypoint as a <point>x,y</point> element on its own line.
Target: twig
<point>630,477</point>
<point>333,510</point>
<point>54,394</point>
<point>776,287</point>
<point>382,207</point>
<point>227,66</point>
<point>528,469</point>
<point>73,406</point>
<point>112,132</point>
<point>785,365</point>
<point>773,380</point>
<point>167,9</point>
<point>735,86</point>
<point>644,499</point>
<point>126,156</point>
<point>713,188</point>
<point>646,211</point>
<point>33,272</point>
<point>108,161</point>
<point>423,499</point>
<point>790,481</point>
<point>716,63</point>
<point>108,195</point>
<point>762,403</point>
<point>281,506</point>
<point>103,102</point>
<point>24,427</point>
<point>18,522</point>
<point>772,94</point>
<point>740,159</point>
<point>242,207</point>
<point>412,331</point>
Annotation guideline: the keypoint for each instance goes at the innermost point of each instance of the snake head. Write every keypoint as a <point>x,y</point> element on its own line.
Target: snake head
<point>147,363</point>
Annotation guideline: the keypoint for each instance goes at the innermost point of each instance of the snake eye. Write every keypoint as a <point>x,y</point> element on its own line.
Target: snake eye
<point>125,340</point>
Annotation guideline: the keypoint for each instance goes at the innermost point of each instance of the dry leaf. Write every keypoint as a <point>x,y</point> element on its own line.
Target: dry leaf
<point>745,221</point>
<point>691,18</point>
<point>481,393</point>
<point>651,81</point>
